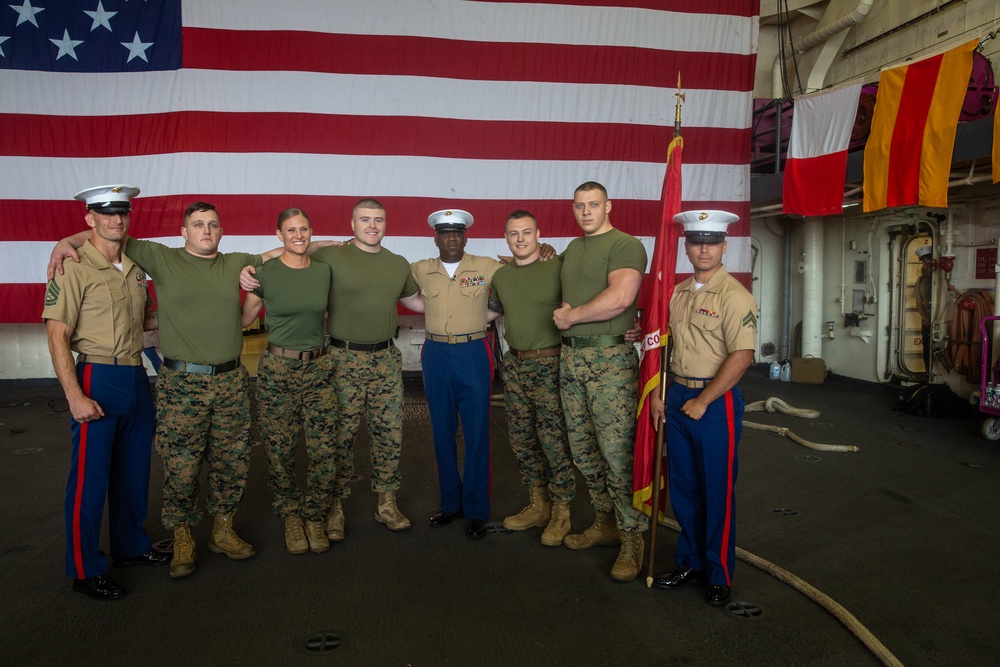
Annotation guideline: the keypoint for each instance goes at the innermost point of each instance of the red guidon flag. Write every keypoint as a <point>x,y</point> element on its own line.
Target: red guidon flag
<point>662,274</point>
<point>908,154</point>
<point>817,151</point>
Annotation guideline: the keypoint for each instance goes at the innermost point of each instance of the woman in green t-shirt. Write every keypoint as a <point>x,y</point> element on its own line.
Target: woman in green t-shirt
<point>294,388</point>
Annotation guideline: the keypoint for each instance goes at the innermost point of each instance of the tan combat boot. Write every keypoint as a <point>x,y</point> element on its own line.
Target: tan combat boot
<point>626,567</point>
<point>295,536</point>
<point>388,513</point>
<point>535,514</point>
<point>316,534</point>
<point>182,563</point>
<point>224,540</point>
<point>335,521</point>
<point>602,533</point>
<point>558,525</point>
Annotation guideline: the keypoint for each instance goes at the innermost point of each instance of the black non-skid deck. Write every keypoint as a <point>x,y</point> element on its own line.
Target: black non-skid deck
<point>901,534</point>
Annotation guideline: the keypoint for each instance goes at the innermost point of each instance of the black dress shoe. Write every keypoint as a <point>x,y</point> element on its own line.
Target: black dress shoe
<point>444,518</point>
<point>101,587</point>
<point>717,595</point>
<point>681,575</point>
<point>476,530</point>
<point>151,557</point>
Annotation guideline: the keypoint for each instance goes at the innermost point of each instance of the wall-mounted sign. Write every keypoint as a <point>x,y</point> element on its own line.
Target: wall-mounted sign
<point>986,260</point>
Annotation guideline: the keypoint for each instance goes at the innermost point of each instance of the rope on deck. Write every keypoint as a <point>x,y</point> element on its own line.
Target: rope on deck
<point>777,405</point>
<point>819,597</point>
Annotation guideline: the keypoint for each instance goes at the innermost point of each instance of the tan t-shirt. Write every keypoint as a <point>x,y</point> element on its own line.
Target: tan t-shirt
<point>103,306</point>
<point>708,324</point>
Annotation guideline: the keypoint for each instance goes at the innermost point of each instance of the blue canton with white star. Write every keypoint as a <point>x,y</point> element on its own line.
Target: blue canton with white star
<point>90,35</point>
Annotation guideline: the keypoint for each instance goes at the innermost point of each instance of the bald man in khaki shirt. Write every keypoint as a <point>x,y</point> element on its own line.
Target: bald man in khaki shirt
<point>457,363</point>
<point>96,308</point>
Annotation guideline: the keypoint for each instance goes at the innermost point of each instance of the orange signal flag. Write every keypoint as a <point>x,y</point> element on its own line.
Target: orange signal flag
<point>908,154</point>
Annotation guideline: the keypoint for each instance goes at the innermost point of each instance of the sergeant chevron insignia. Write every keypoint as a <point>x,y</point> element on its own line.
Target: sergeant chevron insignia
<point>52,293</point>
<point>750,321</point>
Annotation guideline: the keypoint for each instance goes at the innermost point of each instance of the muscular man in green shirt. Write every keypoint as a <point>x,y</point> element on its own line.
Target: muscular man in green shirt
<point>526,292</point>
<point>599,373</point>
<point>202,391</point>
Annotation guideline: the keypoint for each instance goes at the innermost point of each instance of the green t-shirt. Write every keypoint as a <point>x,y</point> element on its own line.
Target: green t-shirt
<point>294,301</point>
<point>198,300</point>
<point>528,295</point>
<point>587,262</point>
<point>366,287</point>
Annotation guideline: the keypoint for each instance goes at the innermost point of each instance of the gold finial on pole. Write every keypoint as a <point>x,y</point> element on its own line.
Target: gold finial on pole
<point>677,108</point>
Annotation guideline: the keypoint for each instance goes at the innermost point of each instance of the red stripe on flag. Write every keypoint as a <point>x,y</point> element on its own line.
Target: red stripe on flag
<point>255,215</point>
<point>81,468</point>
<point>397,55</point>
<point>908,131</point>
<point>22,302</point>
<point>213,132</point>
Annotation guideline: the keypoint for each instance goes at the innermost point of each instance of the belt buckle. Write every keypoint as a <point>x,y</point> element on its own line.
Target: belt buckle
<point>452,339</point>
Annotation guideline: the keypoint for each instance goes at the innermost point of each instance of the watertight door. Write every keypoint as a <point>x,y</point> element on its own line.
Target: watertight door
<point>911,348</point>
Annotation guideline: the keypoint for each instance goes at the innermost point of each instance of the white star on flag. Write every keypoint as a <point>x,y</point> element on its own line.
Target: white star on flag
<point>67,46</point>
<point>2,40</point>
<point>101,17</point>
<point>27,13</point>
<point>137,49</point>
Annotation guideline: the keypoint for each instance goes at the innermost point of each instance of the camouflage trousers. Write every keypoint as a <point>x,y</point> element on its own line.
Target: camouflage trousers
<point>295,396</point>
<point>600,396</point>
<point>369,383</point>
<point>202,418</point>
<point>537,426</point>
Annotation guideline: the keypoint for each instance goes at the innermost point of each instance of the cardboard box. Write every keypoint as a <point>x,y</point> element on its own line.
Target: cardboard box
<point>808,370</point>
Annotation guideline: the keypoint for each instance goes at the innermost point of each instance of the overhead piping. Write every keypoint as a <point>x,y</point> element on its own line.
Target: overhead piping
<point>901,26</point>
<point>852,18</point>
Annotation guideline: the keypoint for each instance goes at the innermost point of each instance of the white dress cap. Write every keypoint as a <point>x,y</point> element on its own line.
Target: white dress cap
<point>108,199</point>
<point>706,226</point>
<point>451,219</point>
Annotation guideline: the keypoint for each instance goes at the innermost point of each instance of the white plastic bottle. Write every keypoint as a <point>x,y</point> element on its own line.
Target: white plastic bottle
<point>775,370</point>
<point>786,372</point>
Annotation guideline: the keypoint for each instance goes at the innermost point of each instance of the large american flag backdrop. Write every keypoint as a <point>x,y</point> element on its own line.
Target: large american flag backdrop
<point>260,105</point>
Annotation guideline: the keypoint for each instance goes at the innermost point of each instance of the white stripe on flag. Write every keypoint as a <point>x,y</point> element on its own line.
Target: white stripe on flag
<point>397,176</point>
<point>54,94</point>
<point>486,22</point>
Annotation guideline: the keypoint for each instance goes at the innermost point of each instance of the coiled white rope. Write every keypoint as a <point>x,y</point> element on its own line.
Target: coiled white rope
<point>777,405</point>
